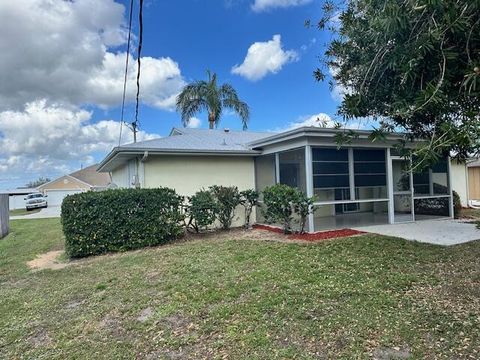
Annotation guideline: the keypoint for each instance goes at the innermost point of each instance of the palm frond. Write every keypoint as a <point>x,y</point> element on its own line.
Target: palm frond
<point>231,100</point>
<point>191,100</point>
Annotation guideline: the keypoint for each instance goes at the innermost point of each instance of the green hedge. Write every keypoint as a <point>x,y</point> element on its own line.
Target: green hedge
<point>119,220</point>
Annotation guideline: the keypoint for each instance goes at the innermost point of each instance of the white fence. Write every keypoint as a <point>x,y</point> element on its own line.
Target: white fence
<point>17,202</point>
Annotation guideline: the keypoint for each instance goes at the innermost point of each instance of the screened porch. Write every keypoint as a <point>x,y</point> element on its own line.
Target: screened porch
<point>358,186</point>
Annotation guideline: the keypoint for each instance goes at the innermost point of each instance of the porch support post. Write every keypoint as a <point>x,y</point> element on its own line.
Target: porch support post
<point>412,189</point>
<point>277,168</point>
<point>309,183</point>
<point>391,205</point>
<point>351,172</point>
<point>430,181</point>
<point>450,190</point>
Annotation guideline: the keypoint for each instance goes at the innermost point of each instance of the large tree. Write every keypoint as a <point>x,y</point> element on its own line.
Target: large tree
<point>413,65</point>
<point>207,95</point>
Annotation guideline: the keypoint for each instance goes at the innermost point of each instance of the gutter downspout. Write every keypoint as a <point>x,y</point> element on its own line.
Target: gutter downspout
<point>142,169</point>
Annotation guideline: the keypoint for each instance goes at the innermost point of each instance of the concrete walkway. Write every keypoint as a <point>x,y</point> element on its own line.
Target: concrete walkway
<point>438,232</point>
<point>49,212</point>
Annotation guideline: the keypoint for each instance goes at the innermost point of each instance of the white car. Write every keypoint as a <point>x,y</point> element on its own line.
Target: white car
<point>35,201</point>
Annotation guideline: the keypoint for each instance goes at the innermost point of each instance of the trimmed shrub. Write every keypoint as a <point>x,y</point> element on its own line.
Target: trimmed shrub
<point>282,202</point>
<point>278,201</point>
<point>249,199</point>
<point>118,220</point>
<point>227,198</point>
<point>202,210</point>
<point>303,206</point>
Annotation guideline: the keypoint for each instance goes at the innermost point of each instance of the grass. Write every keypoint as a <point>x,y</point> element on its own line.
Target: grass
<point>361,297</point>
<point>21,212</point>
<point>470,213</point>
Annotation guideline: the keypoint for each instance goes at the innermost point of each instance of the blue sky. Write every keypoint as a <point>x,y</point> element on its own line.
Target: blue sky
<point>62,66</point>
<point>216,35</point>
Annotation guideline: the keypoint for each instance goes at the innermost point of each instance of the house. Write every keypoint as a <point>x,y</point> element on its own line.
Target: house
<point>361,183</point>
<point>16,197</point>
<point>82,180</point>
<point>473,180</point>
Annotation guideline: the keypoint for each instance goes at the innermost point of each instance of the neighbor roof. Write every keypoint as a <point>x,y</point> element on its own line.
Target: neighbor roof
<point>188,141</point>
<point>19,191</point>
<point>91,176</point>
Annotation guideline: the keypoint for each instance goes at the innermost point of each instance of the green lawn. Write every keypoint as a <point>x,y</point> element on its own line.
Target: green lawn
<point>21,212</point>
<point>362,297</point>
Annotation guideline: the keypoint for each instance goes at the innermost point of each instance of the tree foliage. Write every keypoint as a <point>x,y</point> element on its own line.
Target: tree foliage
<point>38,182</point>
<point>413,65</point>
<point>207,95</point>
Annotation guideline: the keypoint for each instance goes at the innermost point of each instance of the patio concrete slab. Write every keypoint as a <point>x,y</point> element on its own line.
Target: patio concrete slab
<point>438,232</point>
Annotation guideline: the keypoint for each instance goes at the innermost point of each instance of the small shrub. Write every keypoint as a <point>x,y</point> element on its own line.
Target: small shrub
<point>278,200</point>
<point>227,198</point>
<point>282,202</point>
<point>457,205</point>
<point>118,220</point>
<point>202,210</point>
<point>249,199</point>
<point>303,206</point>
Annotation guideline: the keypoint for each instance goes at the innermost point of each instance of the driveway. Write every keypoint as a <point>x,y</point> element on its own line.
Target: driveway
<point>49,212</point>
<point>438,232</point>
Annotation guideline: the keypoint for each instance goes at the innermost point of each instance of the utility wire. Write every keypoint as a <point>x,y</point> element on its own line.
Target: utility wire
<point>135,124</point>
<point>126,71</point>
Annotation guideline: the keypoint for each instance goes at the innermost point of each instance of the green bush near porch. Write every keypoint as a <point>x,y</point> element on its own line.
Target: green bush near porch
<point>119,220</point>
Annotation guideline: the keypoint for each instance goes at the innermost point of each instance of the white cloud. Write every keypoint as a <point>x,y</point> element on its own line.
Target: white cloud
<point>57,57</point>
<point>45,139</point>
<point>317,120</point>
<point>264,58</point>
<point>324,121</point>
<point>194,123</point>
<point>264,5</point>
<point>65,51</point>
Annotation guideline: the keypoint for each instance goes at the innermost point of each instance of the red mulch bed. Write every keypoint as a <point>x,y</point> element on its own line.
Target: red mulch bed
<point>316,236</point>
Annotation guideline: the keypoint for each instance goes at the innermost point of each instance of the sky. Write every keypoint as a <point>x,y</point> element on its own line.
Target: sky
<point>62,68</point>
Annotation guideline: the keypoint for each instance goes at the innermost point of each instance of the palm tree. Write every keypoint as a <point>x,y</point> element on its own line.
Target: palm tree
<point>207,95</point>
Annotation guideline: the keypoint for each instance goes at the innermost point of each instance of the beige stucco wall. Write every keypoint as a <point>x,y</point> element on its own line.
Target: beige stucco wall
<point>459,181</point>
<point>188,174</point>
<point>64,183</point>
<point>120,176</point>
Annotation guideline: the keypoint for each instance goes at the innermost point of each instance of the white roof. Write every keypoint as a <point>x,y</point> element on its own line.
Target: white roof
<point>201,140</point>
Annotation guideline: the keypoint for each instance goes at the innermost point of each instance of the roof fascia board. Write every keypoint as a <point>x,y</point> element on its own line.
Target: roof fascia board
<point>313,132</point>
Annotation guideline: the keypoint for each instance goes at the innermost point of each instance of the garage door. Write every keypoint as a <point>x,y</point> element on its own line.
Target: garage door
<point>55,197</point>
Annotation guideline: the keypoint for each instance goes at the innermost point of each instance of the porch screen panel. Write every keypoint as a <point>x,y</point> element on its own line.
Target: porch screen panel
<point>292,168</point>
<point>370,173</point>
<point>330,174</point>
<point>432,181</point>
<point>264,171</point>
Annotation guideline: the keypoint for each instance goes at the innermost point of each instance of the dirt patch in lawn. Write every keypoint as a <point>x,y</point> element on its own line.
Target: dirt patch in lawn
<point>48,260</point>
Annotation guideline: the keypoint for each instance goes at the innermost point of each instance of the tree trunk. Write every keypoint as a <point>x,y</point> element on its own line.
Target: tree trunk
<point>211,120</point>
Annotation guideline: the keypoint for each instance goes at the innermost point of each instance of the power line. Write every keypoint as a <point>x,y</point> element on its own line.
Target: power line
<point>135,123</point>
<point>126,71</point>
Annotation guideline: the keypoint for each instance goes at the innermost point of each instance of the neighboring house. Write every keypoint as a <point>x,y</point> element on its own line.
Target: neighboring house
<point>361,183</point>
<point>16,197</point>
<point>473,179</point>
<point>79,181</point>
